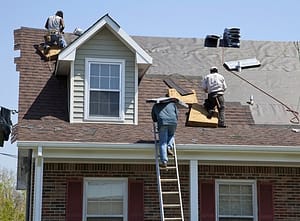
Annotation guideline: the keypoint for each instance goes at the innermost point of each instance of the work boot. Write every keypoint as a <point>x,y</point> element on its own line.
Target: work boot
<point>163,165</point>
<point>210,114</point>
<point>170,152</point>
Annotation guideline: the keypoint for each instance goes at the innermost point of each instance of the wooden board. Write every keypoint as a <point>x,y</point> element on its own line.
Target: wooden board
<point>198,117</point>
<point>51,54</point>
<point>166,100</point>
<point>188,99</point>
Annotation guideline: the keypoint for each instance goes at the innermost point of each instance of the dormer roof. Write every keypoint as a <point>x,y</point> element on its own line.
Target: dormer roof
<point>143,60</point>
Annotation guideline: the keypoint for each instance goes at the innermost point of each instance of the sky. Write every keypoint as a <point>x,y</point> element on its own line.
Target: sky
<point>259,20</point>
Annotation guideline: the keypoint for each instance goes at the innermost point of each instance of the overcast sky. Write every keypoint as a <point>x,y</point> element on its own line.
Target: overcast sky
<point>258,20</point>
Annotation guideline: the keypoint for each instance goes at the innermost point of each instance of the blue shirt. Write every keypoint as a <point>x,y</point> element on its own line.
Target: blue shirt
<point>165,113</point>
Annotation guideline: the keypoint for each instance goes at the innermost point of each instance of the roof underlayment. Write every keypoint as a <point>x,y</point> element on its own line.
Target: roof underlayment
<point>277,76</point>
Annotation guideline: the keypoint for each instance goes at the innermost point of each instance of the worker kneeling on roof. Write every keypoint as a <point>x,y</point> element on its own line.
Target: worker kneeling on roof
<point>55,25</point>
<point>214,84</point>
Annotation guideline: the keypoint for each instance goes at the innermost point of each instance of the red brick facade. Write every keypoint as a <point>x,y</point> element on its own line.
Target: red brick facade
<point>285,181</point>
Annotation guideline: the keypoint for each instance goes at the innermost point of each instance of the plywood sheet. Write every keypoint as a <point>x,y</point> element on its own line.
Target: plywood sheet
<point>189,99</point>
<point>198,117</point>
<point>51,54</point>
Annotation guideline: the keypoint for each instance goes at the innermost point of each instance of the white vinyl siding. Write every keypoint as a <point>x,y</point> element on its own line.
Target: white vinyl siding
<point>104,45</point>
<point>236,200</point>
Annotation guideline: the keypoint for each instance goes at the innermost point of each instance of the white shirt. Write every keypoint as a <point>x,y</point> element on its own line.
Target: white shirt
<point>214,82</point>
<point>54,22</point>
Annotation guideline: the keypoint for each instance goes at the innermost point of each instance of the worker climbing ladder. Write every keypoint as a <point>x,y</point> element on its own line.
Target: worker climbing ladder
<point>168,184</point>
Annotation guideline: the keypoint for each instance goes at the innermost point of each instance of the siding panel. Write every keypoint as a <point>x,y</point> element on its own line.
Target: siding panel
<point>104,45</point>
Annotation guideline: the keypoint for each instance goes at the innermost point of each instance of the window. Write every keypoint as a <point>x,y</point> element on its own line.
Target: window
<point>104,98</point>
<point>236,200</point>
<point>105,199</point>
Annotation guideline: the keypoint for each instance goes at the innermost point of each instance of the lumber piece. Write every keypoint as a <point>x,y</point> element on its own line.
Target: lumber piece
<point>198,117</point>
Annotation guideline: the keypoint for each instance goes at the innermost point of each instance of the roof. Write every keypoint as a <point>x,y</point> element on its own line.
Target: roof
<point>43,111</point>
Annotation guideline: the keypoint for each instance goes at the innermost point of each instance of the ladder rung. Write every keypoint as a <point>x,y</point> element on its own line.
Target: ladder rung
<point>171,205</point>
<point>167,168</point>
<point>170,192</point>
<point>168,180</point>
<point>173,218</point>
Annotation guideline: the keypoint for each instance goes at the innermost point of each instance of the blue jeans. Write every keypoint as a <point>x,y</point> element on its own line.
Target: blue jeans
<point>59,40</point>
<point>166,140</point>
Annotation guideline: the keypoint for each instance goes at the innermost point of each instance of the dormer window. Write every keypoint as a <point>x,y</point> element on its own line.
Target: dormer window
<point>104,95</point>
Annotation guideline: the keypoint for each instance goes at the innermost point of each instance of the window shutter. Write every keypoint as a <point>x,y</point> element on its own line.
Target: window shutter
<point>265,201</point>
<point>74,200</point>
<point>135,200</point>
<point>207,200</point>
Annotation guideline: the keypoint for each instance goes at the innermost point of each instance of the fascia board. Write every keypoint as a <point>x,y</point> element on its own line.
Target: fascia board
<point>224,154</point>
<point>183,147</point>
<point>142,56</point>
<point>69,52</point>
<point>65,54</point>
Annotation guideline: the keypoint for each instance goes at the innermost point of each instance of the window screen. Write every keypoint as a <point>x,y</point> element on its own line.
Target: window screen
<point>235,201</point>
<point>105,200</point>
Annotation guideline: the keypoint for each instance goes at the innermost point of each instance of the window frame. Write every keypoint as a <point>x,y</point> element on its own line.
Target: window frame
<point>123,181</point>
<point>87,89</point>
<point>253,183</point>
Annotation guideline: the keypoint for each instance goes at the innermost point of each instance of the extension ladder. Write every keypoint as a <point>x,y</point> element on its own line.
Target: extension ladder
<point>168,184</point>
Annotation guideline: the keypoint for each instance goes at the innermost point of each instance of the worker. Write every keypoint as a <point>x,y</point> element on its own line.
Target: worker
<point>166,116</point>
<point>55,26</point>
<point>214,84</point>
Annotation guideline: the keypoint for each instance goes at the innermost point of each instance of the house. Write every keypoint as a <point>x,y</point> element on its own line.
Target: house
<point>86,148</point>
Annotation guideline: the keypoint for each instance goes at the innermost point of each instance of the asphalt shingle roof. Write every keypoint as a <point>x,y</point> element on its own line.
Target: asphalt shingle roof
<point>43,103</point>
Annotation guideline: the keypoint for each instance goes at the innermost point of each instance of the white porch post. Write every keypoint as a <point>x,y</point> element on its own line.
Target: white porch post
<point>38,185</point>
<point>194,190</point>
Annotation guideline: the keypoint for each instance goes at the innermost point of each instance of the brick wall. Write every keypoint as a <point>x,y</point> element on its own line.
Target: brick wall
<point>286,184</point>
<point>56,176</point>
<point>285,180</point>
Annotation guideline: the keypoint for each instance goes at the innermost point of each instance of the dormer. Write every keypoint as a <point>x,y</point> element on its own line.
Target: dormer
<point>104,65</point>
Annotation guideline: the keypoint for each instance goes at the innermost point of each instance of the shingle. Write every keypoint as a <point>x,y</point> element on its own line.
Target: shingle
<point>43,110</point>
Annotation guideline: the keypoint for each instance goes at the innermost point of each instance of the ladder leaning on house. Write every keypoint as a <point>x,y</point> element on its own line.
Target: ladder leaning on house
<point>168,184</point>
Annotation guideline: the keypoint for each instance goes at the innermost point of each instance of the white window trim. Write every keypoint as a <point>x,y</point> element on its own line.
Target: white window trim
<point>121,117</point>
<point>225,181</point>
<point>125,190</point>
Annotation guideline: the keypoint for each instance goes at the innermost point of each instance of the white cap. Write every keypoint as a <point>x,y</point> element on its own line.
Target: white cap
<point>213,69</point>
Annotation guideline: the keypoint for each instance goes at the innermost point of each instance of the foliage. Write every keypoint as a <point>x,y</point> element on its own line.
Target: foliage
<point>12,202</point>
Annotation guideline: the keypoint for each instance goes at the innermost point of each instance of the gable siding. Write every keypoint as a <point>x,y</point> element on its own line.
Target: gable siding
<point>107,46</point>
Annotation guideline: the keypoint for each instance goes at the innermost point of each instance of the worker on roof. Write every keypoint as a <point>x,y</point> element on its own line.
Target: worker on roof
<point>214,84</point>
<point>55,26</point>
<point>166,116</point>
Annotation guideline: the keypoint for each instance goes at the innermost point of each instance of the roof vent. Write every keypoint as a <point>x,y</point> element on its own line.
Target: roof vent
<point>239,64</point>
<point>78,31</point>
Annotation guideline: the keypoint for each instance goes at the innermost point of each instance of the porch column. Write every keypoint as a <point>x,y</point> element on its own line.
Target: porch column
<point>194,190</point>
<point>38,185</point>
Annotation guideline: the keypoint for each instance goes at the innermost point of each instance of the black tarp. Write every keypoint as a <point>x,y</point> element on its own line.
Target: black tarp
<point>5,125</point>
